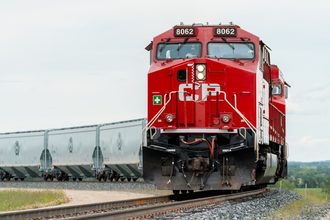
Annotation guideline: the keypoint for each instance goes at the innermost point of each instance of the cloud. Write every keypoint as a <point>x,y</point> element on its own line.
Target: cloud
<point>293,107</point>
<point>310,101</point>
<point>310,140</point>
<point>319,92</point>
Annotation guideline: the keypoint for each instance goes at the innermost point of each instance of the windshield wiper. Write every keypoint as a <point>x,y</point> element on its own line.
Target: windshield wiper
<point>232,47</point>
<point>164,45</point>
<point>180,45</point>
<point>247,44</point>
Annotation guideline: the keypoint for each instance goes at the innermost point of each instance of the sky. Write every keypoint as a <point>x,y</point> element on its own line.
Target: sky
<point>77,62</point>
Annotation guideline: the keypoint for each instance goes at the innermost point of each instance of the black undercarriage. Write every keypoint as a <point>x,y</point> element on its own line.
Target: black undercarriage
<point>208,161</point>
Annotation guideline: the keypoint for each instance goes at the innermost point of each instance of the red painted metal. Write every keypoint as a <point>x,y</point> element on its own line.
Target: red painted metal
<point>235,77</point>
<point>277,126</point>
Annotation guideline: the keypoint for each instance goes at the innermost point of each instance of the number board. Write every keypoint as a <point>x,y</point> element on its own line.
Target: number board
<point>225,31</point>
<point>184,32</point>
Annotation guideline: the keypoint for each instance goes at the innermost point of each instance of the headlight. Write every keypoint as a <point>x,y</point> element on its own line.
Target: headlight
<point>200,68</point>
<point>169,118</point>
<point>200,72</point>
<point>226,118</point>
<point>200,76</point>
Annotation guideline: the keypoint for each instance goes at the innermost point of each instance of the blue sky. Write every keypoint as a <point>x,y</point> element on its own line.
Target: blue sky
<point>65,63</point>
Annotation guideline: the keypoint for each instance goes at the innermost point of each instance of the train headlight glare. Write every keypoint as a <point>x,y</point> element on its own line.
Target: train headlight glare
<point>169,118</point>
<point>200,76</point>
<point>200,72</point>
<point>200,68</point>
<point>226,118</point>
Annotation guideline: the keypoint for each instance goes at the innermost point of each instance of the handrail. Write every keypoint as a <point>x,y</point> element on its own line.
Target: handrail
<point>254,129</point>
<point>239,113</point>
<point>277,109</point>
<point>249,124</point>
<point>161,110</point>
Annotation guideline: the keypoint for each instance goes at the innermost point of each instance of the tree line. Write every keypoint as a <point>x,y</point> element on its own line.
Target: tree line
<point>310,174</point>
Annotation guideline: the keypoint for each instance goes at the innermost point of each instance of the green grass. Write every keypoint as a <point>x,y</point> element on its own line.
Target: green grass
<point>311,197</point>
<point>20,199</point>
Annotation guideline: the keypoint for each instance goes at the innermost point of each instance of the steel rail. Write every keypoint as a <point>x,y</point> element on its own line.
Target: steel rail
<point>65,211</point>
<point>126,209</point>
<point>152,210</point>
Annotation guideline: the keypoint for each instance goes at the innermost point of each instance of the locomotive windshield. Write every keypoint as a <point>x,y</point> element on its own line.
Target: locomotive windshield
<point>178,50</point>
<point>228,50</point>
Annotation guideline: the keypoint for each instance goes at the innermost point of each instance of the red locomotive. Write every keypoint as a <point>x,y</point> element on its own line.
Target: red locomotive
<point>216,111</point>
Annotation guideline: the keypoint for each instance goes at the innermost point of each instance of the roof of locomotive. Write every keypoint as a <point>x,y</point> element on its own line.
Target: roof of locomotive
<point>202,33</point>
<point>206,34</point>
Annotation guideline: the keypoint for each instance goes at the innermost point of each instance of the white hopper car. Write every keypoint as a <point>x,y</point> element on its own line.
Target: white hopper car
<point>109,151</point>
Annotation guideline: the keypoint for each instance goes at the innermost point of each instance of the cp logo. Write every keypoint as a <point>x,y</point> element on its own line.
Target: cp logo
<point>204,90</point>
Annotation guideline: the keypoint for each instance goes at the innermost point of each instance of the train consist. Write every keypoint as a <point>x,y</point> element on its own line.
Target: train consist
<point>107,151</point>
<point>216,121</point>
<point>216,111</point>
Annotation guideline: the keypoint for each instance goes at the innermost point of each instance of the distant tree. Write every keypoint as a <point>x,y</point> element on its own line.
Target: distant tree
<point>284,184</point>
<point>314,174</point>
<point>326,186</point>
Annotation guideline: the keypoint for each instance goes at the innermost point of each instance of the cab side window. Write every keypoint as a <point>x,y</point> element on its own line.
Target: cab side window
<point>277,89</point>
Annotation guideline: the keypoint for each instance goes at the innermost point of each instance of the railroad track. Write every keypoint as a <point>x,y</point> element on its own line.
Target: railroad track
<point>134,208</point>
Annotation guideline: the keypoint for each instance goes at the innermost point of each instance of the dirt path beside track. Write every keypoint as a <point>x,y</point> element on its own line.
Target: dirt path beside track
<point>79,197</point>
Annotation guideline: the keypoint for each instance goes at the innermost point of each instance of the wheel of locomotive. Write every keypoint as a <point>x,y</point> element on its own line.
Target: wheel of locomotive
<point>22,178</point>
<point>99,179</point>
<point>80,179</point>
<point>16,178</point>
<point>74,178</point>
<point>176,192</point>
<point>135,179</point>
<point>129,179</point>
<point>45,178</point>
<point>122,179</point>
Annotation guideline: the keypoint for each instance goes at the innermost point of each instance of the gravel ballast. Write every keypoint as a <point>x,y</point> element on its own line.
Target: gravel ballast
<point>262,207</point>
<point>315,212</point>
<point>256,208</point>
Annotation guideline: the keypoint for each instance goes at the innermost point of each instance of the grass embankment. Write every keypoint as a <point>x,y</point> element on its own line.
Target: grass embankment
<point>310,198</point>
<point>20,199</point>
